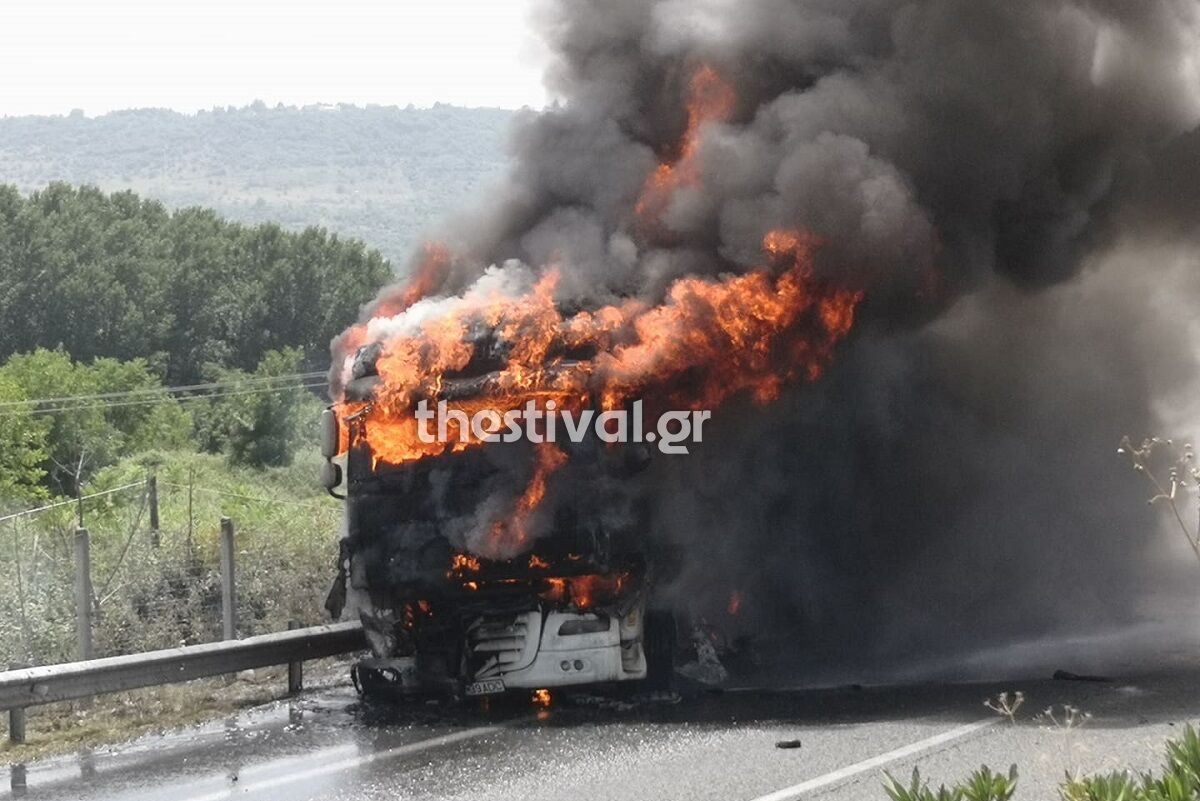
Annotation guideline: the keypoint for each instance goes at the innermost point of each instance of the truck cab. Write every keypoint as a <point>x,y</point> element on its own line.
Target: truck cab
<point>570,610</point>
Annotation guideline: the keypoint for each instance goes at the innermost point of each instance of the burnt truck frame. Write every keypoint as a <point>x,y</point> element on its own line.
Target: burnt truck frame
<point>574,610</point>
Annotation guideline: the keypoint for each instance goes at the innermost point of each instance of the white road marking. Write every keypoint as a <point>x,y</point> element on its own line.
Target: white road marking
<point>840,775</point>
<point>349,764</point>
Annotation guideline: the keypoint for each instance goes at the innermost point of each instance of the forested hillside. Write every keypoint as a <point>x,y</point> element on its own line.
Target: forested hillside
<point>108,300</point>
<point>380,174</point>
<point>118,276</point>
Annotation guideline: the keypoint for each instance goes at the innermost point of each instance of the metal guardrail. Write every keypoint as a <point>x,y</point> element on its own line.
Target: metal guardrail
<point>50,683</point>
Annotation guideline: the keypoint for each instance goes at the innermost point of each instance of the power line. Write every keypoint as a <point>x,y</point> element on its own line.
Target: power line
<point>183,399</point>
<point>163,399</point>
<point>158,390</point>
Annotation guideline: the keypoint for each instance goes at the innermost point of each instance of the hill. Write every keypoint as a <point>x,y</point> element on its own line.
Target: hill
<point>380,174</point>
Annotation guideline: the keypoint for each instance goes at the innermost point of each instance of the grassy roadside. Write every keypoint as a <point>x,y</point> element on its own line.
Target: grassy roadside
<point>159,591</point>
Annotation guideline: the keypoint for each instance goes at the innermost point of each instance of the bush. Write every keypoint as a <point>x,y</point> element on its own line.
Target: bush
<point>257,419</point>
<point>65,441</point>
<point>1180,780</point>
<point>983,785</point>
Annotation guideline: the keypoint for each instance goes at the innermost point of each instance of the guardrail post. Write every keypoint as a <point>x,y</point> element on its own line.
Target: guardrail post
<point>83,593</point>
<point>16,726</point>
<point>152,502</point>
<point>16,717</point>
<point>228,588</point>
<point>295,669</point>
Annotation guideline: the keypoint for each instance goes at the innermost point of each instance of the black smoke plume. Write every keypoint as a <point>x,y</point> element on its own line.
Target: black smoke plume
<point>1013,183</point>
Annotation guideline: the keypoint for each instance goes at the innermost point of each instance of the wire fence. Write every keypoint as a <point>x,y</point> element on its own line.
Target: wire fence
<point>156,571</point>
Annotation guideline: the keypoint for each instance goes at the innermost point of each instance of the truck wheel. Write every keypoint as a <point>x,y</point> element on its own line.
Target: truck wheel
<point>387,680</point>
<point>658,642</point>
<point>369,684</point>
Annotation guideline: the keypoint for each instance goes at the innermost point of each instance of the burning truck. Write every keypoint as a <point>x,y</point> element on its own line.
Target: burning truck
<point>480,565</point>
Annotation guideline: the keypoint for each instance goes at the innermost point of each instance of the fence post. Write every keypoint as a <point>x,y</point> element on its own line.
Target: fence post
<point>87,764</point>
<point>228,588</point>
<point>155,531</point>
<point>83,593</point>
<point>17,781</point>
<point>16,717</point>
<point>295,669</point>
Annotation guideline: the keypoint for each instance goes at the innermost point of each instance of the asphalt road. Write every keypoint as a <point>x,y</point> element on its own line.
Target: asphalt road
<point>704,745</point>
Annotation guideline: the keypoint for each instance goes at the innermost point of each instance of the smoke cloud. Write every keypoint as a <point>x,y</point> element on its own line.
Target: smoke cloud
<point>1004,180</point>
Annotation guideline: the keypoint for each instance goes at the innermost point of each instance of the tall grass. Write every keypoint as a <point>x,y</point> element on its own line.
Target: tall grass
<point>148,596</point>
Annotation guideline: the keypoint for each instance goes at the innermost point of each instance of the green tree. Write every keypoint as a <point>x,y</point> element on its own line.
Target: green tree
<point>80,439</point>
<point>256,420</point>
<point>22,445</point>
<point>93,414</point>
<point>115,276</point>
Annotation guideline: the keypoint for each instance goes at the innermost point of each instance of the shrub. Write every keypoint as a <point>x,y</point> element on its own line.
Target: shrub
<point>982,785</point>
<point>1180,780</point>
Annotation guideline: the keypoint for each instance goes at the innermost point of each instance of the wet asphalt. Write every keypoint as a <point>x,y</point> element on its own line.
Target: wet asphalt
<point>703,744</point>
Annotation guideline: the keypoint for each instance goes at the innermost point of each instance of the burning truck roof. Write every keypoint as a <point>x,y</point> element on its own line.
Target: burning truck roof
<point>501,344</point>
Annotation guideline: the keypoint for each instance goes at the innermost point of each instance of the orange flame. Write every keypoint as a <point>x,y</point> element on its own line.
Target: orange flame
<point>707,341</point>
<point>428,275</point>
<point>542,698</point>
<point>585,591</point>
<point>735,603</point>
<point>464,563</point>
<point>513,534</point>
<point>426,278</point>
<point>710,99</point>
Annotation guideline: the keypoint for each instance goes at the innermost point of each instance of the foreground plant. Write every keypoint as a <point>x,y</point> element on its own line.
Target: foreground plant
<point>1006,705</point>
<point>1110,787</point>
<point>1180,479</point>
<point>1180,780</point>
<point>982,785</point>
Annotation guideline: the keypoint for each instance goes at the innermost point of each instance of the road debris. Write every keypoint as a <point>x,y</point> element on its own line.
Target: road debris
<point>1064,675</point>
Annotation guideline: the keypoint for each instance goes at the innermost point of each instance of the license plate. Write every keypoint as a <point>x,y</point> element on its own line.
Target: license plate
<point>485,687</point>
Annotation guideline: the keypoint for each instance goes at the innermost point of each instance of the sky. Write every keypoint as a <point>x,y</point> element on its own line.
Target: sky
<point>105,55</point>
